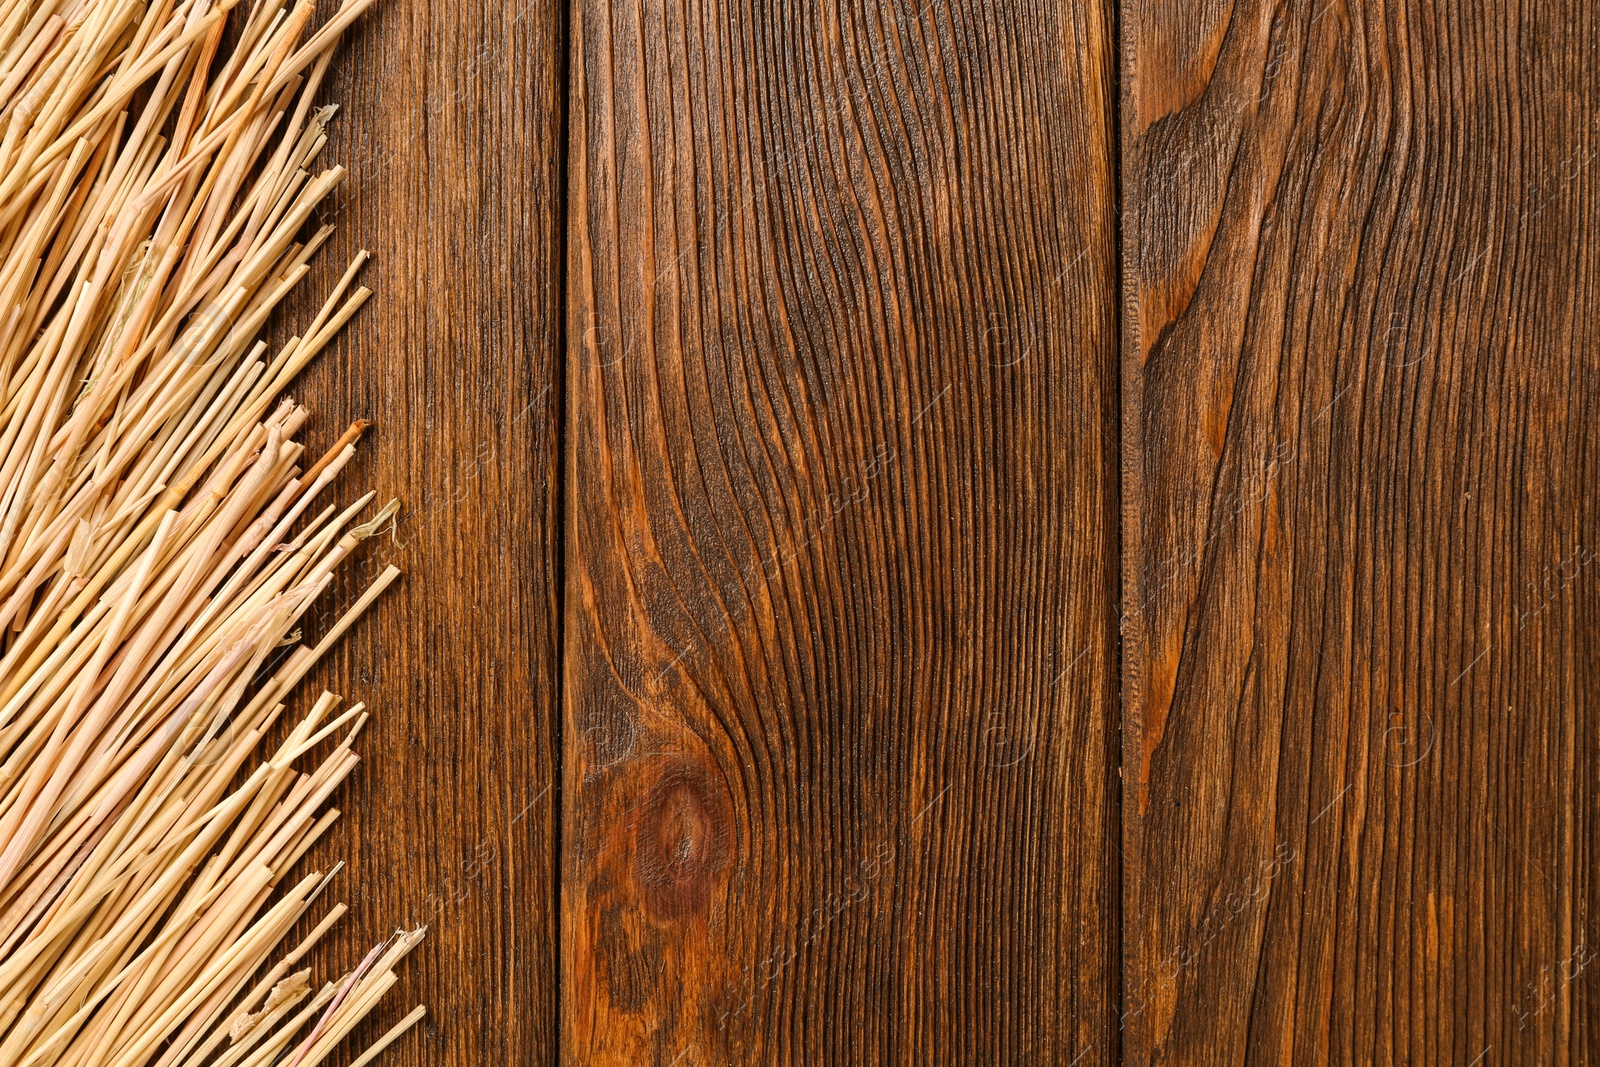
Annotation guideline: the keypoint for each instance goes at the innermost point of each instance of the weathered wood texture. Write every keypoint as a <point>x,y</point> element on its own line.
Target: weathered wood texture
<point>452,128</point>
<point>1360,453</point>
<point>841,549</point>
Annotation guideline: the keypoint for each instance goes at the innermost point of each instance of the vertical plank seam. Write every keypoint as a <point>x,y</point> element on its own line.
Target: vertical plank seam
<point>1129,546</point>
<point>558,510</point>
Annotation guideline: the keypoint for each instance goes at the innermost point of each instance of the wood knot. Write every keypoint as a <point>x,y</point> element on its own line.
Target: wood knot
<point>680,842</point>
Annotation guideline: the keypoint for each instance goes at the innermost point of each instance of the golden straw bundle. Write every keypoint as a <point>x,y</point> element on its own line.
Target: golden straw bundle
<point>160,536</point>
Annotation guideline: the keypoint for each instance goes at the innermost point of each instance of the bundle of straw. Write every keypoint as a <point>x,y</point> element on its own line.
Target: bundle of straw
<point>159,539</point>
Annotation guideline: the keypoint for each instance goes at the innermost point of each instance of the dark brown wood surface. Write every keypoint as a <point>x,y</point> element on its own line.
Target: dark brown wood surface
<point>780,465</point>
<point>839,696</point>
<point>452,128</point>
<point>1360,452</point>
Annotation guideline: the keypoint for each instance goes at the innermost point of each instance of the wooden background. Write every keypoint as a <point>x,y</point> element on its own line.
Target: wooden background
<point>452,125</point>
<point>977,531</point>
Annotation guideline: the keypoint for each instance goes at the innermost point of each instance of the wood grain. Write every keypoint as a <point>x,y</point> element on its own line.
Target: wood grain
<point>809,514</point>
<point>1360,379</point>
<point>452,128</point>
<point>841,534</point>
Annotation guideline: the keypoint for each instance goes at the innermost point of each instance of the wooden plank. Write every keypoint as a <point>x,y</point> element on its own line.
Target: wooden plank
<point>1360,378</point>
<point>451,126</point>
<point>839,656</point>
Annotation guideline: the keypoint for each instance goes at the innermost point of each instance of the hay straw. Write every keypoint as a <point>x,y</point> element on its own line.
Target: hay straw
<point>161,537</point>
